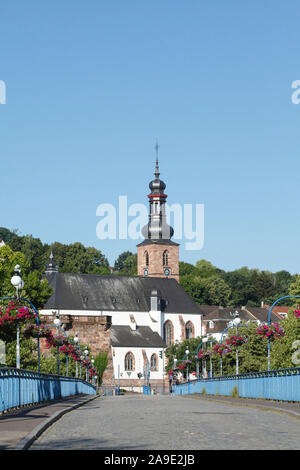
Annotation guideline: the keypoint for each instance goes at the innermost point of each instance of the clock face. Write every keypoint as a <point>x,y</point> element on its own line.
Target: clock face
<point>145,272</point>
<point>167,272</point>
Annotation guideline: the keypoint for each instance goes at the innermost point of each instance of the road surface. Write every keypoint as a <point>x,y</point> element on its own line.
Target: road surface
<point>170,423</point>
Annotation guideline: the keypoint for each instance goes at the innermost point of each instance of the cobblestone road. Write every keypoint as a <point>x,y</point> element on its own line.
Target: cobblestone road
<point>169,423</point>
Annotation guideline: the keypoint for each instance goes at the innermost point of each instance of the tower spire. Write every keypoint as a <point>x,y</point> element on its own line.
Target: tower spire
<point>156,174</point>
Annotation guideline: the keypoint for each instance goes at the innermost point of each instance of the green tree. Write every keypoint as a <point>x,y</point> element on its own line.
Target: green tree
<point>35,289</point>
<point>242,288</point>
<point>101,362</point>
<point>120,261</point>
<point>194,287</point>
<point>217,291</point>
<point>206,269</point>
<point>281,349</point>
<point>294,288</point>
<point>76,258</point>
<point>127,265</point>
<point>187,269</point>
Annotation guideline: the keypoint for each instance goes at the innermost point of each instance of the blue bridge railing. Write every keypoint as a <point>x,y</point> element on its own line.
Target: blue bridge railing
<point>20,387</point>
<point>280,384</point>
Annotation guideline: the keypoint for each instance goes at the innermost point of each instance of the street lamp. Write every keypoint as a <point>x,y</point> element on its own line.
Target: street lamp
<point>86,352</point>
<point>236,323</point>
<point>204,340</point>
<point>57,323</point>
<point>81,359</point>
<point>18,283</point>
<point>187,352</point>
<point>76,340</point>
<point>93,379</point>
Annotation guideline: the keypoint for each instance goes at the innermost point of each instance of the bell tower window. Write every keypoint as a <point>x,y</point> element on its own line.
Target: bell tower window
<point>165,258</point>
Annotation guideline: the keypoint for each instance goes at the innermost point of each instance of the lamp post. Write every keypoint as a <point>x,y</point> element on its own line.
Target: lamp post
<point>236,323</point>
<point>76,340</point>
<point>86,352</point>
<point>81,359</point>
<point>205,339</point>
<point>233,323</point>
<point>57,323</point>
<point>18,283</point>
<point>93,378</point>
<point>187,352</point>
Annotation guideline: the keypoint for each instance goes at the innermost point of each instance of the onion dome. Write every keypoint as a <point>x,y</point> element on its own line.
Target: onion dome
<point>157,186</point>
<point>157,227</point>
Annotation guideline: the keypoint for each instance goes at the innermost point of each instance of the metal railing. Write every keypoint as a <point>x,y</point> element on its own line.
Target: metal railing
<point>279,384</point>
<point>20,387</point>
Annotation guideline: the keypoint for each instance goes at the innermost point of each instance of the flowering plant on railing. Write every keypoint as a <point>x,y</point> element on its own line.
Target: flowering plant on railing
<point>236,340</point>
<point>221,349</point>
<point>86,363</point>
<point>205,354</point>
<point>70,350</point>
<point>56,341</point>
<point>184,364</point>
<point>270,332</point>
<point>37,331</point>
<point>92,372</point>
<point>12,313</point>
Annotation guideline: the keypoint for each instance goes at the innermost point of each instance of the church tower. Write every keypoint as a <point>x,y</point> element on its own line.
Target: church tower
<point>158,255</point>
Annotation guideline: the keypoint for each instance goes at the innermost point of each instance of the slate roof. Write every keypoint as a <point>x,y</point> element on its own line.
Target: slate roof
<point>215,313</point>
<point>212,312</point>
<point>116,293</point>
<point>262,314</point>
<point>142,337</point>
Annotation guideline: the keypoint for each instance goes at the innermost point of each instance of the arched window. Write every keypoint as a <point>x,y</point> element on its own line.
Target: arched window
<point>129,362</point>
<point>168,332</point>
<point>146,258</point>
<point>189,330</point>
<point>211,324</point>
<point>153,362</point>
<point>165,258</point>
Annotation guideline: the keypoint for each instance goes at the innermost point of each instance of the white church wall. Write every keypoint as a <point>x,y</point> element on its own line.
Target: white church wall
<point>118,355</point>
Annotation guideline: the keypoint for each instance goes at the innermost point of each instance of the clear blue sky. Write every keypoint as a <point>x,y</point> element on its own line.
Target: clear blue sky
<point>91,85</point>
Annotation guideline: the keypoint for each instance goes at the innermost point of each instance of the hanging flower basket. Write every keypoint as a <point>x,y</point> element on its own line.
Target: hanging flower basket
<point>56,341</point>
<point>297,312</point>
<point>204,354</point>
<point>70,350</point>
<point>13,313</point>
<point>184,364</point>
<point>270,332</point>
<point>221,349</point>
<point>236,341</point>
<point>37,331</point>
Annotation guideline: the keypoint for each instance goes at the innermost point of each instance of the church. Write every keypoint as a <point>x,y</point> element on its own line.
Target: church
<point>133,318</point>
